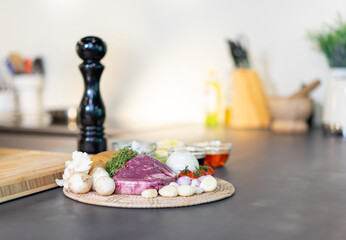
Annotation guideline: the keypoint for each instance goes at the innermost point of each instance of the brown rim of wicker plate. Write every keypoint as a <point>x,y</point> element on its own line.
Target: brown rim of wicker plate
<point>223,190</point>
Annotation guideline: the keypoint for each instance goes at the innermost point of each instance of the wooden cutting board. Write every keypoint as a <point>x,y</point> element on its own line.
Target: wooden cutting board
<point>24,172</point>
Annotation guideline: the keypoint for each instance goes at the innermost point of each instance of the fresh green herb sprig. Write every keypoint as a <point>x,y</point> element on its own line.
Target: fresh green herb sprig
<point>119,159</point>
<point>332,42</point>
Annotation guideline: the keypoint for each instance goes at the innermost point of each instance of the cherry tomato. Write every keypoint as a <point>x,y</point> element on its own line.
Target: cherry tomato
<point>185,172</point>
<point>197,174</point>
<point>208,169</point>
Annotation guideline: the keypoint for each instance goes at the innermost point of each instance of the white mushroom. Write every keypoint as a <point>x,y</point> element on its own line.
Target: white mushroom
<point>79,182</point>
<point>80,163</point>
<point>104,185</point>
<point>96,173</point>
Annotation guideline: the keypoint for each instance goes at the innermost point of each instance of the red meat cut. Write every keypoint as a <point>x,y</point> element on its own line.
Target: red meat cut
<point>141,173</point>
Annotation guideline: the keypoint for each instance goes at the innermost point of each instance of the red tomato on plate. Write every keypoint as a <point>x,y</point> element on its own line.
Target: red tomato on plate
<point>208,169</point>
<point>198,173</point>
<point>185,172</point>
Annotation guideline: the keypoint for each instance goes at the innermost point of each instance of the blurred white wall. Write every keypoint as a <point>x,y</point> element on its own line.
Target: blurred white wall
<point>159,51</point>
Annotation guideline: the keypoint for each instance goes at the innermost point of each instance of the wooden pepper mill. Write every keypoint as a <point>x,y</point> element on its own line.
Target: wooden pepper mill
<point>91,112</point>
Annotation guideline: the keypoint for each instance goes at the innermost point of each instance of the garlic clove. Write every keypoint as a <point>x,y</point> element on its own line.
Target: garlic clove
<point>149,193</point>
<point>168,191</point>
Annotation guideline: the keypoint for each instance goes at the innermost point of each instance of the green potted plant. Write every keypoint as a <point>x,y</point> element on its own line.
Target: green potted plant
<point>331,40</point>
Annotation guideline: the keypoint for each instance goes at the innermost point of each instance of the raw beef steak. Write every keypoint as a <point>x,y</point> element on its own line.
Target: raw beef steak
<point>141,173</point>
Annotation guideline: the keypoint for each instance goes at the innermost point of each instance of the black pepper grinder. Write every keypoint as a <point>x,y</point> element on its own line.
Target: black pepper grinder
<point>91,112</point>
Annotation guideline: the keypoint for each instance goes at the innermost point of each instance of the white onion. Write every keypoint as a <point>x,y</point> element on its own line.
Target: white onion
<point>178,160</point>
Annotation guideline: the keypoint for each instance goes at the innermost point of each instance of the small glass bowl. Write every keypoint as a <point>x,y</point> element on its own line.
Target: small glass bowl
<point>169,144</point>
<point>139,146</point>
<point>198,152</point>
<point>217,152</point>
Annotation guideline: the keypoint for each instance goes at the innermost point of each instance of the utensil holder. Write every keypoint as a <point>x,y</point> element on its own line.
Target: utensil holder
<point>29,90</point>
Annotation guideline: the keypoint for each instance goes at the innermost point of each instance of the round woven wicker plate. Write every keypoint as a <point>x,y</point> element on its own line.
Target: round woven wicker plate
<point>223,190</point>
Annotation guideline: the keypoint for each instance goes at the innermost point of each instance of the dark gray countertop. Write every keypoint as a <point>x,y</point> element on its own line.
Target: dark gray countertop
<point>287,187</point>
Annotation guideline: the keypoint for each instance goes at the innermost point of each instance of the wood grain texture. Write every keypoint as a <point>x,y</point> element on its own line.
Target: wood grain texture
<point>24,172</point>
<point>224,190</point>
<point>249,107</point>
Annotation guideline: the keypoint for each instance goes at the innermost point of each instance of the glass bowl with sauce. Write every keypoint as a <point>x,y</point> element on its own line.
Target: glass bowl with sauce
<point>217,152</point>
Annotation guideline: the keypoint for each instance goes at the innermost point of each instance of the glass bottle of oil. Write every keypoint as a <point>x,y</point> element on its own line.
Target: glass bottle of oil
<point>213,100</point>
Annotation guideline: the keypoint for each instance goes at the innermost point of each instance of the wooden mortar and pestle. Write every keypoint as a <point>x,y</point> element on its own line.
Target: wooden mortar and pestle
<point>290,115</point>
